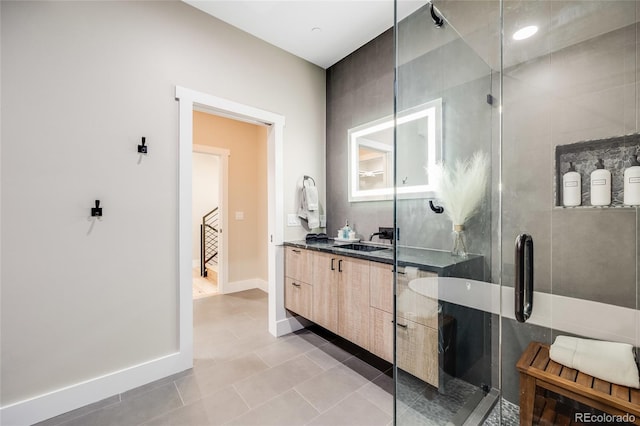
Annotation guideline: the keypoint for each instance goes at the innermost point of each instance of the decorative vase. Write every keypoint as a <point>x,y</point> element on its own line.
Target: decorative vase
<point>459,242</point>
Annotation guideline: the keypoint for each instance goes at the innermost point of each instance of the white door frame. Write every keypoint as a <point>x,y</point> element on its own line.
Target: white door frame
<point>223,191</point>
<point>279,323</point>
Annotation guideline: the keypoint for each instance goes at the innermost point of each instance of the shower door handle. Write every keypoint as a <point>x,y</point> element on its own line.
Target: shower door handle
<point>524,277</point>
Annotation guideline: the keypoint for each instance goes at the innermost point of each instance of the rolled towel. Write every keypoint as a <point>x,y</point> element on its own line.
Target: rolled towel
<point>610,361</point>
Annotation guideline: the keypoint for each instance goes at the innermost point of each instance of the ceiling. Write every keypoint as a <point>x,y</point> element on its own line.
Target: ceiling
<point>320,31</point>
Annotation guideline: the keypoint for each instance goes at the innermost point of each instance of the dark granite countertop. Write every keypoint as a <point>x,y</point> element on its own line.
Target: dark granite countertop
<point>439,261</point>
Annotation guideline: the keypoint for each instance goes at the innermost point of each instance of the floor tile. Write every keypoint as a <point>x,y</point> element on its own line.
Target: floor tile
<point>283,350</point>
<point>328,388</point>
<point>216,409</point>
<point>288,409</point>
<point>83,411</point>
<point>265,385</point>
<point>221,375</point>
<point>328,355</point>
<point>133,411</point>
<point>378,396</point>
<point>355,410</point>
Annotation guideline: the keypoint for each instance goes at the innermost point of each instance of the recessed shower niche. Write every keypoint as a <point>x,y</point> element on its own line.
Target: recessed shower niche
<point>617,154</point>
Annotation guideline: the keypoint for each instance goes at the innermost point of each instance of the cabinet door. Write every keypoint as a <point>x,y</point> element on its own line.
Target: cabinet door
<point>381,293</point>
<point>381,333</point>
<point>325,291</point>
<point>414,306</point>
<point>417,351</point>
<point>353,300</point>
<point>298,264</point>
<point>297,297</point>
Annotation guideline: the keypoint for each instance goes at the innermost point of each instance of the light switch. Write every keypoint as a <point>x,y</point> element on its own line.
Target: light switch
<point>239,215</point>
<point>323,220</point>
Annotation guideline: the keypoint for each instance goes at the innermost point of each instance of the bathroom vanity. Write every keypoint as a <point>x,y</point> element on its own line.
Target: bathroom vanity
<point>350,292</point>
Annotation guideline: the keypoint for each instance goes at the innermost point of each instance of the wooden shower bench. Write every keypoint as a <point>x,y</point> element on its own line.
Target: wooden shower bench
<point>538,372</point>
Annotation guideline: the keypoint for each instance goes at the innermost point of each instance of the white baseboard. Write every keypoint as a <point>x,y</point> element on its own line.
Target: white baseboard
<point>236,286</point>
<point>42,407</point>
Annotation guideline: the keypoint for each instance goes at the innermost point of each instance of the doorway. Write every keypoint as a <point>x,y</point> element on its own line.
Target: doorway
<point>209,213</point>
<point>188,100</point>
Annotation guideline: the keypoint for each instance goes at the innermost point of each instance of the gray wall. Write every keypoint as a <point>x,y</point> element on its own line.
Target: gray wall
<point>81,83</point>
<point>360,89</point>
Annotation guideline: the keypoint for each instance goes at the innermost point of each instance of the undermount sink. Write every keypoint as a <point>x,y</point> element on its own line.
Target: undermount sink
<point>362,247</point>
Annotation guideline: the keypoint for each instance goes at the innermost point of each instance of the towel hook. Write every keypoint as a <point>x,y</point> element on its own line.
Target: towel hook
<point>308,178</point>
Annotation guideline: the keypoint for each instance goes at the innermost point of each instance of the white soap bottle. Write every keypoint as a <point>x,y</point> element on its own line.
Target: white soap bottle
<point>632,183</point>
<point>600,185</point>
<point>571,187</point>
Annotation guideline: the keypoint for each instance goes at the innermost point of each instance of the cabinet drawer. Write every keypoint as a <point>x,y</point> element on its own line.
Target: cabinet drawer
<point>381,292</point>
<point>381,333</point>
<point>297,297</point>
<point>417,351</point>
<point>414,306</point>
<point>298,264</point>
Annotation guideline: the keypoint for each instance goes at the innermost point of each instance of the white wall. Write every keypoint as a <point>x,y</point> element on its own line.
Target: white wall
<point>81,83</point>
<point>204,193</point>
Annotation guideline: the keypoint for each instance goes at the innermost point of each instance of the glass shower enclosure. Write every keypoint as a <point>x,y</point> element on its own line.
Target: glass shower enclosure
<point>515,114</point>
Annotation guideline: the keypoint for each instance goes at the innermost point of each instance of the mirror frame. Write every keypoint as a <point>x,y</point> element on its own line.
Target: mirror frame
<point>431,111</point>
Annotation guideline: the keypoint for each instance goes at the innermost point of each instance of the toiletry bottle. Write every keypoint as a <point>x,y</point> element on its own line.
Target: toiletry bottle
<point>632,183</point>
<point>571,187</point>
<point>346,230</point>
<point>600,185</point>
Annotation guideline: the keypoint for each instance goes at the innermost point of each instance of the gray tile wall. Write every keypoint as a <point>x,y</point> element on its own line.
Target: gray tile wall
<point>360,89</point>
<point>581,92</point>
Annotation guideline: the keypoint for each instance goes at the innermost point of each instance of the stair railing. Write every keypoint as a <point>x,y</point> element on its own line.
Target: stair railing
<point>208,240</point>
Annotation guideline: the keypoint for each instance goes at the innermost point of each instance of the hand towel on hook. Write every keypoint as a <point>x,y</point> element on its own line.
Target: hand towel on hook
<point>309,205</point>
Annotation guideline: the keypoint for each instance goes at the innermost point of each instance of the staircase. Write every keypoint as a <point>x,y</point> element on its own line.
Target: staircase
<point>208,240</point>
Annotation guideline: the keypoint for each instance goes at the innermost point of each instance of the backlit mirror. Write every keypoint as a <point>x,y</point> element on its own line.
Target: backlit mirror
<point>371,154</point>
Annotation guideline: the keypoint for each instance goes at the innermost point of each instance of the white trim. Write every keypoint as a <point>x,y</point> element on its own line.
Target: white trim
<point>42,407</point>
<point>190,100</point>
<point>223,190</point>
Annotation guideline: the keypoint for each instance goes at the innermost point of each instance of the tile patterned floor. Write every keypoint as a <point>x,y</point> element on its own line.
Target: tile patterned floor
<point>244,376</point>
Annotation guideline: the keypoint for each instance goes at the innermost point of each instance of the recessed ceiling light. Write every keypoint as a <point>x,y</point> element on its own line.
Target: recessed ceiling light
<point>525,32</point>
<point>316,30</point>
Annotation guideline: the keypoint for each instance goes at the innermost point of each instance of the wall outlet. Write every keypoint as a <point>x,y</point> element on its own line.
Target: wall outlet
<point>293,220</point>
<point>239,215</point>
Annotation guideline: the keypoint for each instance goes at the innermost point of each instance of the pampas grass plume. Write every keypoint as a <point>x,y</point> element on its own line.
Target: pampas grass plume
<point>461,188</point>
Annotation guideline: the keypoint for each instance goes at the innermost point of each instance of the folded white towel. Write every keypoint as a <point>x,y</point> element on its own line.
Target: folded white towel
<point>310,198</point>
<point>610,361</point>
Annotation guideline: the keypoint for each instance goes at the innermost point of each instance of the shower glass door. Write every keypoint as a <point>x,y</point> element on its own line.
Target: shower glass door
<point>447,256</point>
<point>569,99</point>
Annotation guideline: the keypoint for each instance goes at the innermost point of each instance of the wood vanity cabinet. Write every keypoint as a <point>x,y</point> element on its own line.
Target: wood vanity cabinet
<point>298,292</point>
<point>341,296</point>
<point>417,331</point>
<point>353,300</point>
<point>325,291</point>
<point>381,326</point>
